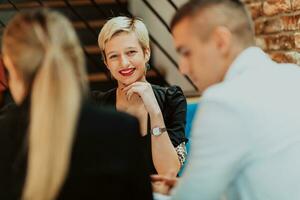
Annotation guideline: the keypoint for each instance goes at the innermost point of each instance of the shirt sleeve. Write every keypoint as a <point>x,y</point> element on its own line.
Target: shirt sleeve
<point>175,120</point>
<point>218,148</point>
<point>175,115</point>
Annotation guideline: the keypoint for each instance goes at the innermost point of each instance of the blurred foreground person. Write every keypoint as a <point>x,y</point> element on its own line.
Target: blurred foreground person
<point>245,139</point>
<point>54,144</point>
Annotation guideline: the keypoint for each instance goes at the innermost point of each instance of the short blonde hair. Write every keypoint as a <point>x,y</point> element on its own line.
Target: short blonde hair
<point>121,24</point>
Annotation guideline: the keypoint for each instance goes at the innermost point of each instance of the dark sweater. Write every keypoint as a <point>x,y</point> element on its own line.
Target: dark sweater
<point>106,161</point>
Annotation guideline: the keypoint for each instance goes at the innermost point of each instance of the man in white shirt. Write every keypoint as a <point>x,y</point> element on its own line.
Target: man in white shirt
<point>245,141</point>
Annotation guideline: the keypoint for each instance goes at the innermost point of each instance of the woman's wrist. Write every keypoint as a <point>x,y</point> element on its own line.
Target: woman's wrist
<point>156,114</point>
<point>157,120</point>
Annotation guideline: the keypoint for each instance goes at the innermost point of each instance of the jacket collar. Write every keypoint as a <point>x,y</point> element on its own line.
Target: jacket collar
<point>251,57</point>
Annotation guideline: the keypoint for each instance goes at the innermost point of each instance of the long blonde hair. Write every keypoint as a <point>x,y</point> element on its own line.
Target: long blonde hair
<point>46,52</point>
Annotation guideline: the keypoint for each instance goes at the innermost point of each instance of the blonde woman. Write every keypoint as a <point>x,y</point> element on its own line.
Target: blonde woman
<point>55,146</point>
<point>124,43</point>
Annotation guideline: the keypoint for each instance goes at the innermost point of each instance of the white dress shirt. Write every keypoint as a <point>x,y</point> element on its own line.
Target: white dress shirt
<point>245,141</point>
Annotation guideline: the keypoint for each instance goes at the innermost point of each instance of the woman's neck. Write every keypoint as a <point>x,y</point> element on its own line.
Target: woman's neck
<point>121,95</point>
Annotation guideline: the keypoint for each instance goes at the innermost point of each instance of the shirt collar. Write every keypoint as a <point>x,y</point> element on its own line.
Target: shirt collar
<point>248,58</point>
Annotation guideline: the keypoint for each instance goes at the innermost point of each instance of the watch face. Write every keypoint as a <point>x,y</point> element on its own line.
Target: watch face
<point>156,131</point>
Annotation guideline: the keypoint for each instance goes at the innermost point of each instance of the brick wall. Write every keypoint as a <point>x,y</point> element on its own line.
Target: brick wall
<point>277,28</point>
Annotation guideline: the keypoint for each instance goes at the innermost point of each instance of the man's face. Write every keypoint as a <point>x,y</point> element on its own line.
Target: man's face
<point>200,60</point>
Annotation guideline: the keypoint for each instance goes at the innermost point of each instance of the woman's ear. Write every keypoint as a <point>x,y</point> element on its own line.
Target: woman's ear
<point>18,87</point>
<point>104,60</point>
<point>147,53</point>
<point>105,63</point>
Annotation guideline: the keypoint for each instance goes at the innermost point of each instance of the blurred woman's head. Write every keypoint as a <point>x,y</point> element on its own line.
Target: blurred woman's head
<point>31,40</point>
<point>124,45</point>
<point>45,63</point>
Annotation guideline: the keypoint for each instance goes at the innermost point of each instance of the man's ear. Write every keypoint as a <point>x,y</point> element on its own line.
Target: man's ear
<point>223,39</point>
<point>147,54</point>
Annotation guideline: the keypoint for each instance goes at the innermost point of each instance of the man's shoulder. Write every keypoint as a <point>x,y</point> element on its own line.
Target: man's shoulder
<point>236,95</point>
<point>225,91</point>
<point>257,87</point>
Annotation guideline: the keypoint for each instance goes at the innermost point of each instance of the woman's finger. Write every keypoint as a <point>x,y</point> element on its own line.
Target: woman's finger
<point>135,89</point>
<point>129,93</point>
<point>167,180</point>
<point>156,177</point>
<point>131,86</point>
<point>135,84</point>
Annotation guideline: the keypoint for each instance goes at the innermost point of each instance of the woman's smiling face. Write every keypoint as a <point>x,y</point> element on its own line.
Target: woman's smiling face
<point>125,58</point>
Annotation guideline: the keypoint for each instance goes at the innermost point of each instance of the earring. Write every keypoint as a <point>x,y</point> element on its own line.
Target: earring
<point>147,67</point>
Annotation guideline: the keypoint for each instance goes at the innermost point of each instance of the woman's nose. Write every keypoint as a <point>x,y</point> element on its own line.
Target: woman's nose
<point>124,61</point>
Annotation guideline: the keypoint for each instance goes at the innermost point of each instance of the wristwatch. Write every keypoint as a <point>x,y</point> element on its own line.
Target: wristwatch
<point>157,131</point>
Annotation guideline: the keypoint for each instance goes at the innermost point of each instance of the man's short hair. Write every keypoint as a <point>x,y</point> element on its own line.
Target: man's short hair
<point>229,13</point>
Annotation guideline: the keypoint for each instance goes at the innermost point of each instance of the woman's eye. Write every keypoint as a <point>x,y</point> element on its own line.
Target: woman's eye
<point>131,52</point>
<point>112,56</point>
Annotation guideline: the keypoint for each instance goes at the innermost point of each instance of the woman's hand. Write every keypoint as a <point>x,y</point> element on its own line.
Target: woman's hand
<point>163,152</point>
<point>163,184</point>
<point>145,92</point>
